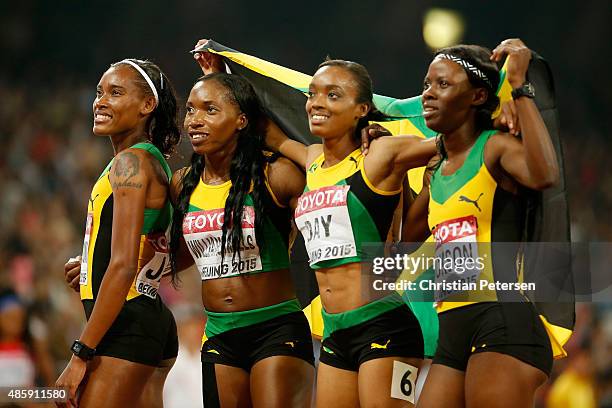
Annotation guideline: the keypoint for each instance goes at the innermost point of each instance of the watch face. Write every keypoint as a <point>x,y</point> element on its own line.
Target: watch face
<point>526,89</point>
<point>76,347</point>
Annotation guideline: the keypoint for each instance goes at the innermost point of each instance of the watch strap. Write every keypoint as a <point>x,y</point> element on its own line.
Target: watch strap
<point>524,90</point>
<point>82,351</point>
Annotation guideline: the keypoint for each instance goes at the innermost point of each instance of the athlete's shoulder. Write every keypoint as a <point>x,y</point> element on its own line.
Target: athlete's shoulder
<point>281,165</point>
<point>131,167</point>
<point>503,137</point>
<point>314,152</point>
<point>285,179</point>
<point>500,141</point>
<point>145,159</point>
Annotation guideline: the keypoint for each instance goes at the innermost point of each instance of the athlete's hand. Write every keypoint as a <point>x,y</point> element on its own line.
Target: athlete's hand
<point>70,379</point>
<point>72,272</point>
<point>518,60</point>
<point>508,119</point>
<point>209,62</point>
<point>371,132</point>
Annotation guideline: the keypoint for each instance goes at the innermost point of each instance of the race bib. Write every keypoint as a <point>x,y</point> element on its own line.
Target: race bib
<point>83,276</point>
<point>322,217</point>
<point>149,277</point>
<point>403,382</point>
<point>202,232</point>
<point>456,256</point>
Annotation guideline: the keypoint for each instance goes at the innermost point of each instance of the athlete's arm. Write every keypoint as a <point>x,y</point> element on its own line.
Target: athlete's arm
<point>391,157</point>
<point>406,152</point>
<point>304,155</point>
<point>129,176</point>
<point>532,163</point>
<point>395,232</point>
<point>184,259</point>
<point>130,179</point>
<point>286,182</point>
<point>415,225</point>
<point>279,142</point>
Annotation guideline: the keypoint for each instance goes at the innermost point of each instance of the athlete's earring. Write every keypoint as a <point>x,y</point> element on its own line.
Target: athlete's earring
<point>243,122</point>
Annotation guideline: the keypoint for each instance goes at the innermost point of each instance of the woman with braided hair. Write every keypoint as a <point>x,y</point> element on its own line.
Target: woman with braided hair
<point>232,216</point>
<point>129,342</point>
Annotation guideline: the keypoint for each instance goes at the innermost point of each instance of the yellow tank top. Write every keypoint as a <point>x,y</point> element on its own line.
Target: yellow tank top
<point>468,211</point>
<point>202,232</point>
<point>341,212</point>
<point>98,234</point>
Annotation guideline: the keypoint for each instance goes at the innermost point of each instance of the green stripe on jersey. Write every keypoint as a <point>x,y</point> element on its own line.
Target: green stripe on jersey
<point>442,187</point>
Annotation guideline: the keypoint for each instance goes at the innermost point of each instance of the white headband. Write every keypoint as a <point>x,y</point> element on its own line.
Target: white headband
<point>146,77</point>
<point>467,67</point>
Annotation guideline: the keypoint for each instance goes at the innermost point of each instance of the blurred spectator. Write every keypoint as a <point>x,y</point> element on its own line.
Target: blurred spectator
<point>183,387</point>
<point>16,361</point>
<point>575,387</point>
<point>24,360</point>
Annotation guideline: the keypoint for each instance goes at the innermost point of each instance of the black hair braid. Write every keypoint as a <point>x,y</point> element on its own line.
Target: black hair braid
<point>246,170</point>
<point>188,183</point>
<point>162,126</point>
<point>247,166</point>
<point>442,154</point>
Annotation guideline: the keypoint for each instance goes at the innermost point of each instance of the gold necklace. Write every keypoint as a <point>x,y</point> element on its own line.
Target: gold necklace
<point>218,180</point>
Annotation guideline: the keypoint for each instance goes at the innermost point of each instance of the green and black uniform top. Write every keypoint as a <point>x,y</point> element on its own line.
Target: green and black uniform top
<point>98,235</point>
<point>202,231</point>
<point>341,210</point>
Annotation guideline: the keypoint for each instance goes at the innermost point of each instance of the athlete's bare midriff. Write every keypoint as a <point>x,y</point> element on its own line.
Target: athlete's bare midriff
<point>345,287</point>
<point>248,291</point>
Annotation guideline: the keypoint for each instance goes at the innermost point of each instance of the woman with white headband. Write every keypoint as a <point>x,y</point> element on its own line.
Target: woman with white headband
<point>493,348</point>
<point>129,342</point>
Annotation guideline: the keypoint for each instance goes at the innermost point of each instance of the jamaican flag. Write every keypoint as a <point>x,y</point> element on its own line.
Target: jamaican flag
<point>282,92</point>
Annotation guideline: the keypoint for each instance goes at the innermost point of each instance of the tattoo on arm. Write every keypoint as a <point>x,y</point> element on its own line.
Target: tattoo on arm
<point>126,167</point>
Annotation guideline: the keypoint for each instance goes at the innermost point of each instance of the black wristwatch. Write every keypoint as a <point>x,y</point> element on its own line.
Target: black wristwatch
<point>82,351</point>
<point>524,90</point>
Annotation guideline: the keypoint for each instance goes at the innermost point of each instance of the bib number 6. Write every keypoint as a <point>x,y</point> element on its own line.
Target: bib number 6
<point>403,383</point>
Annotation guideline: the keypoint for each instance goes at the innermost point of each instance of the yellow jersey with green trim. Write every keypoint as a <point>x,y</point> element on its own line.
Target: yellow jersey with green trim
<point>202,230</point>
<point>468,211</point>
<point>340,211</point>
<point>153,258</point>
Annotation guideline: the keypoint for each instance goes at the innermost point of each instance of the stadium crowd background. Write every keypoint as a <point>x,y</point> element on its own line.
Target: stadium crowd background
<point>53,55</point>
